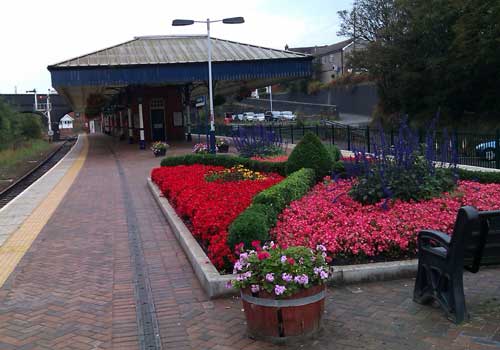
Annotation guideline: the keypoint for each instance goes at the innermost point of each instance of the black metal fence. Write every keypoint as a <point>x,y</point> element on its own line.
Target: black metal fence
<point>474,149</point>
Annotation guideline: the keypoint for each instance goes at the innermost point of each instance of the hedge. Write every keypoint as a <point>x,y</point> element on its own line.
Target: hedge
<point>255,222</point>
<point>479,176</point>
<point>226,161</point>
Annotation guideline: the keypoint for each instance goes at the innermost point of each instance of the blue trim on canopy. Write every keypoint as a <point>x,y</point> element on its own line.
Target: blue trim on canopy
<point>179,73</point>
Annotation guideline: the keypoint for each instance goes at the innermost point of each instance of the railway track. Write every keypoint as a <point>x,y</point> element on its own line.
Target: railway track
<point>24,182</point>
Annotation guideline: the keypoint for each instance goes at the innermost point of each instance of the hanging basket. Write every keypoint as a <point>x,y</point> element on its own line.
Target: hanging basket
<point>293,318</point>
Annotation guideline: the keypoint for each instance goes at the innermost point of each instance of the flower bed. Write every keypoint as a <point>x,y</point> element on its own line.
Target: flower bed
<point>348,229</point>
<point>208,207</point>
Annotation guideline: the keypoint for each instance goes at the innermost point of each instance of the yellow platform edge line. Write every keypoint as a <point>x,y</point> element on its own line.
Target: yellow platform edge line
<point>13,250</point>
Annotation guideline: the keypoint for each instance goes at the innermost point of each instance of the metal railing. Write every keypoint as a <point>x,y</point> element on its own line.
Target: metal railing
<point>475,149</point>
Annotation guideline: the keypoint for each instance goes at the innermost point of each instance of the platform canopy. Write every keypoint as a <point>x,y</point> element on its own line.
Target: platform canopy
<point>175,60</point>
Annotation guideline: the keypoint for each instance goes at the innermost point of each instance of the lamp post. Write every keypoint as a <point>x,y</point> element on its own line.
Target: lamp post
<point>187,22</point>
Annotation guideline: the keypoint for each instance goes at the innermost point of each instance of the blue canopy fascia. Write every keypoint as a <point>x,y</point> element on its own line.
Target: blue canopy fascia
<point>180,72</point>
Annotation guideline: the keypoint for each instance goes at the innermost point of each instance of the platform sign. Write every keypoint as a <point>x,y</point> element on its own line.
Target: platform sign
<point>200,101</point>
<point>50,133</point>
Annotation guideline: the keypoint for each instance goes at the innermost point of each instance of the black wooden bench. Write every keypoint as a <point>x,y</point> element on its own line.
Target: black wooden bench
<point>441,259</point>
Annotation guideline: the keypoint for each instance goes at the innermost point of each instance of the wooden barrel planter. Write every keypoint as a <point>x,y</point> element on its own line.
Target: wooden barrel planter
<point>286,319</point>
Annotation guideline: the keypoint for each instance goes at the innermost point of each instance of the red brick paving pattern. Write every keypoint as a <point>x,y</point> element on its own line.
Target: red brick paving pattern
<point>73,289</point>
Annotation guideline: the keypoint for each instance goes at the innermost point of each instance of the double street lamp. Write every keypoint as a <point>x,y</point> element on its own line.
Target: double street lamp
<point>187,22</point>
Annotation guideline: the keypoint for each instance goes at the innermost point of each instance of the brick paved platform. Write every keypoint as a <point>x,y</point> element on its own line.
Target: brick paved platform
<point>74,289</point>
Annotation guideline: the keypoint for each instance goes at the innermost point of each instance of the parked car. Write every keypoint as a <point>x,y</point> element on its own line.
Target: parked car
<point>248,116</point>
<point>237,117</point>
<point>259,117</point>
<point>272,115</point>
<point>288,115</point>
<point>486,150</point>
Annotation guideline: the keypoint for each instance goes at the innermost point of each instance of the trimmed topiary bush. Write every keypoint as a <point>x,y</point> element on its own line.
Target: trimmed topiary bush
<point>310,153</point>
<point>258,219</point>
<point>294,187</point>
<point>252,224</point>
<point>334,152</point>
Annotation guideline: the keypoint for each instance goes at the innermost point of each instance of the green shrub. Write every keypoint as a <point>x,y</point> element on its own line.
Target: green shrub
<point>226,161</point>
<point>252,224</point>
<point>310,153</point>
<point>479,176</point>
<point>294,187</point>
<point>255,222</point>
<point>31,127</point>
<point>334,152</point>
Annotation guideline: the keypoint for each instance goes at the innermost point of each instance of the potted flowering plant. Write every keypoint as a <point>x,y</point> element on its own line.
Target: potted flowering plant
<point>282,290</point>
<point>159,148</point>
<point>200,148</point>
<point>222,145</point>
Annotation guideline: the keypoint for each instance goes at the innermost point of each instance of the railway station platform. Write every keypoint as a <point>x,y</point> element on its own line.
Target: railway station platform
<point>84,240</point>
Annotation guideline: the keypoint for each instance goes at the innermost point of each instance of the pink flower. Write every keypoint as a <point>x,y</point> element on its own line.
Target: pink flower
<point>255,288</point>
<point>270,277</point>
<point>287,277</point>
<point>278,290</point>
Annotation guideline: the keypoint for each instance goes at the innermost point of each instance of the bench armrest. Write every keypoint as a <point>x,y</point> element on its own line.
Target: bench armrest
<point>437,236</point>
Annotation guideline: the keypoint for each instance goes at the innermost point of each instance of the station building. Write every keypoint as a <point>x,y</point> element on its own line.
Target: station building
<point>143,89</point>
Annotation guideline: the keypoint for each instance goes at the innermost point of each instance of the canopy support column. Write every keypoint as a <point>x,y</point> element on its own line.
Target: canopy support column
<point>130,126</point>
<point>142,143</point>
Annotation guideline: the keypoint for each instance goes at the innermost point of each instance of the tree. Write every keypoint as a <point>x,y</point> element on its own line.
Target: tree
<point>429,55</point>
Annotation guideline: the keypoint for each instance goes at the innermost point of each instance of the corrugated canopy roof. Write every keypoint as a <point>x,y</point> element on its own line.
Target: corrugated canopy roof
<point>174,49</point>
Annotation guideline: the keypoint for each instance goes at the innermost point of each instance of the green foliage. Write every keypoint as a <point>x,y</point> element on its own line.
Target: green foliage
<point>267,205</point>
<point>334,152</point>
<point>310,153</point>
<point>15,128</point>
<point>252,224</point>
<point>413,183</point>
<point>277,197</point>
<point>31,126</point>
<point>456,67</point>
<point>479,176</point>
<point>227,161</point>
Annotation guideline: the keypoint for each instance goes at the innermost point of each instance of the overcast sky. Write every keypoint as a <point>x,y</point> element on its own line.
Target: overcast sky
<point>38,33</point>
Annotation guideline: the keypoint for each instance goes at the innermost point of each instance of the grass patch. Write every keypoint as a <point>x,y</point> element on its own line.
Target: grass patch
<point>29,150</point>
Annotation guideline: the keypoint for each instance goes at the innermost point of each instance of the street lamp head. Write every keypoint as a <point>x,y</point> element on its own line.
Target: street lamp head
<point>233,20</point>
<point>182,22</point>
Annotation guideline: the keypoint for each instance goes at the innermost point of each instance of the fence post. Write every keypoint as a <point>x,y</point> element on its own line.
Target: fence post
<point>333,134</point>
<point>317,130</point>
<point>368,139</point>
<point>497,149</point>
<point>291,131</point>
<point>348,138</point>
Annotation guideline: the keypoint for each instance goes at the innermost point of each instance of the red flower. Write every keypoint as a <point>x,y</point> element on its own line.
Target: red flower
<point>256,245</point>
<point>238,248</point>
<point>327,215</point>
<point>291,261</point>
<point>263,255</point>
